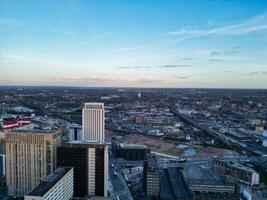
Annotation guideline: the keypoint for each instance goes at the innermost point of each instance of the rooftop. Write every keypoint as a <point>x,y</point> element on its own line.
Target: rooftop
<point>49,181</point>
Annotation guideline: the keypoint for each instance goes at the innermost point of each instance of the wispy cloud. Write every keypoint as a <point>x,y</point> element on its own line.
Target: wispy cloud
<point>257,73</point>
<point>258,23</point>
<point>127,49</point>
<point>36,58</point>
<point>181,77</point>
<point>215,59</point>
<point>159,66</point>
<point>173,66</point>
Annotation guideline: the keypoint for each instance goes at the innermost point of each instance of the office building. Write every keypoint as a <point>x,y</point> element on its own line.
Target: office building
<point>30,156</point>
<point>237,171</point>
<point>128,151</point>
<point>90,163</point>
<point>57,186</point>
<point>75,132</point>
<point>93,122</point>
<point>151,177</point>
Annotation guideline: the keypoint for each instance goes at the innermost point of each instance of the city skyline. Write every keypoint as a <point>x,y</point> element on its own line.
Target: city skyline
<point>172,44</point>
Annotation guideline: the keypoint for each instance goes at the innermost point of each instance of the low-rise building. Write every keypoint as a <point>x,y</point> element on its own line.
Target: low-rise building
<point>237,171</point>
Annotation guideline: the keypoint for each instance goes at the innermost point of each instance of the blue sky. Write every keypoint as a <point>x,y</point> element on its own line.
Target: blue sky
<point>134,43</point>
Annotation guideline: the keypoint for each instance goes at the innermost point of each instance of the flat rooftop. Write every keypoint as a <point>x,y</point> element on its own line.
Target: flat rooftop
<point>34,131</point>
<point>49,181</point>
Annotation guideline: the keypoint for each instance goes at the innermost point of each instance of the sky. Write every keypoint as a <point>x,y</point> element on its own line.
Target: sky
<point>174,44</point>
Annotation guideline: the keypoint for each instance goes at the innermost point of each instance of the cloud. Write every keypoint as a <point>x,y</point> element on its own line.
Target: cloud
<point>159,66</point>
<point>182,77</point>
<point>187,58</point>
<point>215,59</point>
<point>135,67</point>
<point>127,49</point>
<point>216,53</point>
<point>105,79</point>
<point>264,73</point>
<point>36,58</point>
<point>173,66</point>
<point>258,23</point>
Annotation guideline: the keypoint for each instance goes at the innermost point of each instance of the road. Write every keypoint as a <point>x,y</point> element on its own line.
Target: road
<point>119,186</point>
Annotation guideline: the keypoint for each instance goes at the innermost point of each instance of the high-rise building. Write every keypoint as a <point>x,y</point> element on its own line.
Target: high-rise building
<point>30,156</point>
<point>58,186</point>
<point>93,122</point>
<point>151,177</point>
<point>90,163</point>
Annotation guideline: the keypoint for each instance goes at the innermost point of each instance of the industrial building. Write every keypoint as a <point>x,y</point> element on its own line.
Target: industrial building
<point>58,185</point>
<point>90,163</point>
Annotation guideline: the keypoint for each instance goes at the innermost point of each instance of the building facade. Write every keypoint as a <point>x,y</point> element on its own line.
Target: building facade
<point>213,190</point>
<point>151,177</point>
<point>90,163</point>
<point>75,132</point>
<point>30,156</point>
<point>237,171</point>
<point>93,122</point>
<point>57,186</point>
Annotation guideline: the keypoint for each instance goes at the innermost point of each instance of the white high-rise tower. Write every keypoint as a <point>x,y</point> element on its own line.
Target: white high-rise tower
<point>94,122</point>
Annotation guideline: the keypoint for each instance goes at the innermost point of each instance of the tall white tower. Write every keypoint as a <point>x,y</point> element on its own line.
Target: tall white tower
<point>94,122</point>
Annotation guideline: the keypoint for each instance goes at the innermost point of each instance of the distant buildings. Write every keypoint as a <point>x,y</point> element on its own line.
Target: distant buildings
<point>30,156</point>
<point>151,177</point>
<point>93,122</point>
<point>58,186</point>
<point>90,163</point>
<point>237,171</point>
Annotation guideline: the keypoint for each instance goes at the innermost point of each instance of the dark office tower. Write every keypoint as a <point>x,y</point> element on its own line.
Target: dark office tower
<point>90,163</point>
<point>151,177</point>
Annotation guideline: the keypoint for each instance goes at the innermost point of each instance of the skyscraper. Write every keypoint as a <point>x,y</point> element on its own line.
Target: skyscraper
<point>90,163</point>
<point>30,156</point>
<point>94,122</point>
